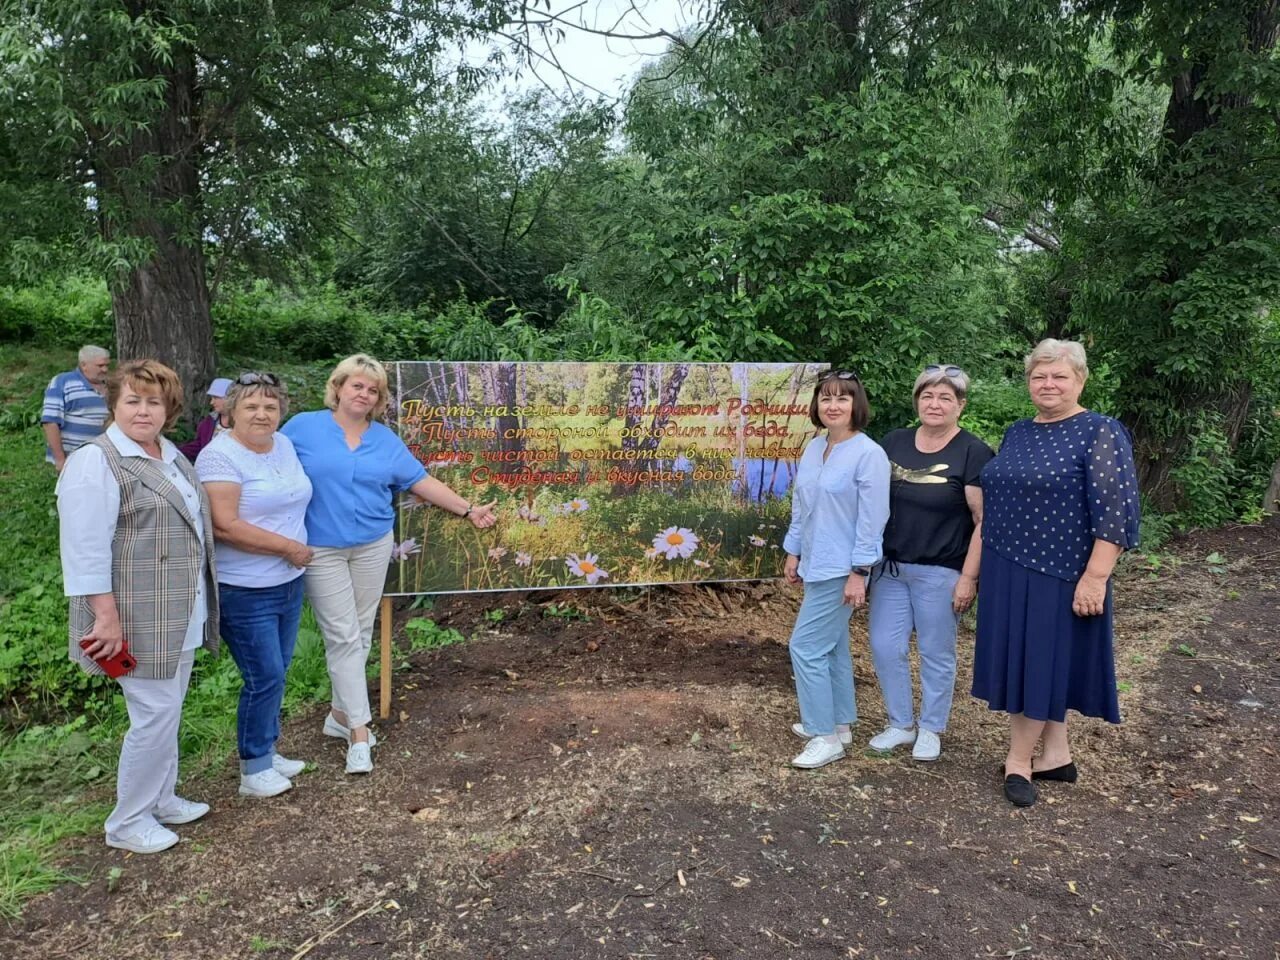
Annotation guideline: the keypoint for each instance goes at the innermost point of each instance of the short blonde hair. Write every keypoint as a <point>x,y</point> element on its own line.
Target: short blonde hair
<point>146,376</point>
<point>935,375</point>
<point>358,363</point>
<point>1051,351</point>
<point>269,385</point>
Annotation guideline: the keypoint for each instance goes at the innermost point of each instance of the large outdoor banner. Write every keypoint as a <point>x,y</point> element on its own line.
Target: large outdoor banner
<point>604,474</point>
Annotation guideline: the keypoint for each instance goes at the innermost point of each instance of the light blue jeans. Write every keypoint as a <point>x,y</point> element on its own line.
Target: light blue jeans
<point>906,596</point>
<point>820,658</point>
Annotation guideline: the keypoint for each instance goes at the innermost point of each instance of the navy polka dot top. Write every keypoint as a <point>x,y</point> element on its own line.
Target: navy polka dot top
<point>1056,487</point>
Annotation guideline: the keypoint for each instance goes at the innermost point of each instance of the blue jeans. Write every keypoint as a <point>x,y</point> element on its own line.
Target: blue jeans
<point>260,627</point>
<point>906,596</point>
<point>820,658</point>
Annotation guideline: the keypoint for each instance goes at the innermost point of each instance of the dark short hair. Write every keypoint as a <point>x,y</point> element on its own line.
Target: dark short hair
<point>835,386</point>
<point>146,376</point>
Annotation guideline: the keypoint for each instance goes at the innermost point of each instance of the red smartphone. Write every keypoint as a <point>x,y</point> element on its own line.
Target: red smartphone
<point>118,666</point>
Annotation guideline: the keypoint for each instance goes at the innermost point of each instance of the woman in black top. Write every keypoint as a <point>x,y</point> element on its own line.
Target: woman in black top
<point>932,549</point>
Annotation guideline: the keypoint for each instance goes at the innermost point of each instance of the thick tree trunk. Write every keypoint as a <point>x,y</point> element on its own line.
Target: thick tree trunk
<point>149,191</point>
<point>1271,504</point>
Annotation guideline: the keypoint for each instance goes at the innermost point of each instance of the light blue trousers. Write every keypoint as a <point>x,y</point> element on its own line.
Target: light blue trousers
<point>820,658</point>
<point>914,596</point>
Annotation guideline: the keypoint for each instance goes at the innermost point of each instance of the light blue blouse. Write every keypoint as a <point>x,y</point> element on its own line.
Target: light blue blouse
<point>351,489</point>
<point>839,508</point>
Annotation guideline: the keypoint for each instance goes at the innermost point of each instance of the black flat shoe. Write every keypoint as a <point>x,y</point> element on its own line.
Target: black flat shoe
<point>1019,791</point>
<point>1067,773</point>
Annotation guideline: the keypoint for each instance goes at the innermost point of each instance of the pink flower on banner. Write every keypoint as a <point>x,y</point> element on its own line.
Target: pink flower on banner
<point>676,542</point>
<point>497,553</point>
<point>586,567</point>
<point>523,559</point>
<point>526,513</point>
<point>405,549</point>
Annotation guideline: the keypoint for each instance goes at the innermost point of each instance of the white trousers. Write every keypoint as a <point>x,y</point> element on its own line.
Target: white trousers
<point>149,756</point>
<point>344,585</point>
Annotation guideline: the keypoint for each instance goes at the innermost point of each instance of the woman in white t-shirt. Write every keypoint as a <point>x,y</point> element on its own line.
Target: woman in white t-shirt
<point>258,495</point>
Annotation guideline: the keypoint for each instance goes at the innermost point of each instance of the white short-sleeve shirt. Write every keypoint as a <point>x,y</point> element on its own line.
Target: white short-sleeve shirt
<point>274,493</point>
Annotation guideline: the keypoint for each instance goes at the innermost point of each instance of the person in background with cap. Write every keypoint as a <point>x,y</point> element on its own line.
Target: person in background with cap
<point>213,424</point>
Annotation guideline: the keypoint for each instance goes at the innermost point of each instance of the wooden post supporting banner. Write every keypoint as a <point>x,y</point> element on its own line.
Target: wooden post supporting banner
<point>384,703</point>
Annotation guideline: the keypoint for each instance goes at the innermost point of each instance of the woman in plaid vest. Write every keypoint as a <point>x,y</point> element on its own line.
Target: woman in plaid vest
<point>138,566</point>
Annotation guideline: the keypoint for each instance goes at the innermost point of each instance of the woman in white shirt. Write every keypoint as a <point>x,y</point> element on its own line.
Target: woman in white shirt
<point>258,495</point>
<point>838,511</point>
<point>138,566</point>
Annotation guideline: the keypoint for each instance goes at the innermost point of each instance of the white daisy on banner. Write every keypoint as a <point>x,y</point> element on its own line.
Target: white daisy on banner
<point>576,505</point>
<point>586,567</point>
<point>676,542</point>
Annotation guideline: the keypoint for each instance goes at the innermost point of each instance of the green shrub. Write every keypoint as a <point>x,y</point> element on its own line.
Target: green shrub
<point>68,312</point>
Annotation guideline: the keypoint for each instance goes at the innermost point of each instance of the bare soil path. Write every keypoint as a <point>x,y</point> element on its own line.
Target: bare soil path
<point>619,787</point>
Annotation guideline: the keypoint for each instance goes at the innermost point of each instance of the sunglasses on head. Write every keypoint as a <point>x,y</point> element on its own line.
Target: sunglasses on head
<point>951,370</point>
<point>837,375</point>
<point>251,378</point>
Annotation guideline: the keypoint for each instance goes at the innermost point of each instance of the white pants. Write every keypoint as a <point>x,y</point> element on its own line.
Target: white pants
<point>149,756</point>
<point>344,585</point>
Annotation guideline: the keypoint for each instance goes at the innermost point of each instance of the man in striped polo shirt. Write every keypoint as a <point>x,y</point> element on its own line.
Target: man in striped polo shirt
<point>75,406</point>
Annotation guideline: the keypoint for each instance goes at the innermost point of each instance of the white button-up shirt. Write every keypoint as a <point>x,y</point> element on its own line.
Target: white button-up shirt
<point>89,506</point>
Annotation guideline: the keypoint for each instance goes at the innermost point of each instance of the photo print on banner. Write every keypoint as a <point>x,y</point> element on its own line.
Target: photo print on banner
<point>605,474</point>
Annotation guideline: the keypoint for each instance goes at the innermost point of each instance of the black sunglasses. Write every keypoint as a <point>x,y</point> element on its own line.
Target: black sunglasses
<point>951,370</point>
<point>251,378</point>
<point>837,375</point>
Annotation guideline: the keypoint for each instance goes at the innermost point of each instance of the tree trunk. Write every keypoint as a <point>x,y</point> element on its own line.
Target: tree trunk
<point>1271,504</point>
<point>149,191</point>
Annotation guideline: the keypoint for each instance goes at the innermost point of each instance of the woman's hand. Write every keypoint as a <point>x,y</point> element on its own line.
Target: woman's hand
<point>1091,595</point>
<point>298,554</point>
<point>484,515</point>
<point>855,591</point>
<point>105,636</point>
<point>790,569</point>
<point>962,595</point>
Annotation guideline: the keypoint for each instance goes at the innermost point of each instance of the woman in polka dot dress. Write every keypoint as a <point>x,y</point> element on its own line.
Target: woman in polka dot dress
<point>1061,505</point>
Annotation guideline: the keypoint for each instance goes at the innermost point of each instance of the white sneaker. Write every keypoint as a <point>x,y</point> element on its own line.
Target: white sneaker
<point>818,753</point>
<point>264,783</point>
<point>332,728</point>
<point>359,759</point>
<point>182,811</point>
<point>846,736</point>
<point>287,768</point>
<point>928,746</point>
<point>891,737</point>
<point>151,840</point>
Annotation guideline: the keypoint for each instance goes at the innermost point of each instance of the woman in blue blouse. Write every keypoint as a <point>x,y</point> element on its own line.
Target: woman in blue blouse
<point>356,465</point>
<point>839,507</point>
<point>1060,506</point>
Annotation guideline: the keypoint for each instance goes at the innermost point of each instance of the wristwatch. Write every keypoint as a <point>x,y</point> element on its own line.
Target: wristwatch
<point>467,512</point>
<point>862,571</point>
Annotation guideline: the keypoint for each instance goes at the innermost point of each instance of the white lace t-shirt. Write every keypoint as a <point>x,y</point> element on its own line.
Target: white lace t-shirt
<point>274,493</point>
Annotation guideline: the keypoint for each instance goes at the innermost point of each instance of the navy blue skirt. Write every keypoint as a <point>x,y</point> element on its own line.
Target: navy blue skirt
<point>1033,655</point>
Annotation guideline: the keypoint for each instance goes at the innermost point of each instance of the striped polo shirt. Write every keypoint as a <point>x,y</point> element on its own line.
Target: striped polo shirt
<point>79,410</point>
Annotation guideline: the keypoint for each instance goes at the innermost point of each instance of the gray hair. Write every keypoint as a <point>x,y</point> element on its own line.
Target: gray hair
<point>935,375</point>
<point>1051,351</point>
<point>239,391</point>
<point>89,352</point>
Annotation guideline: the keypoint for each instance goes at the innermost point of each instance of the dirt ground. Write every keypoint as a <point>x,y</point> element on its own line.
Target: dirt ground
<point>619,787</point>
